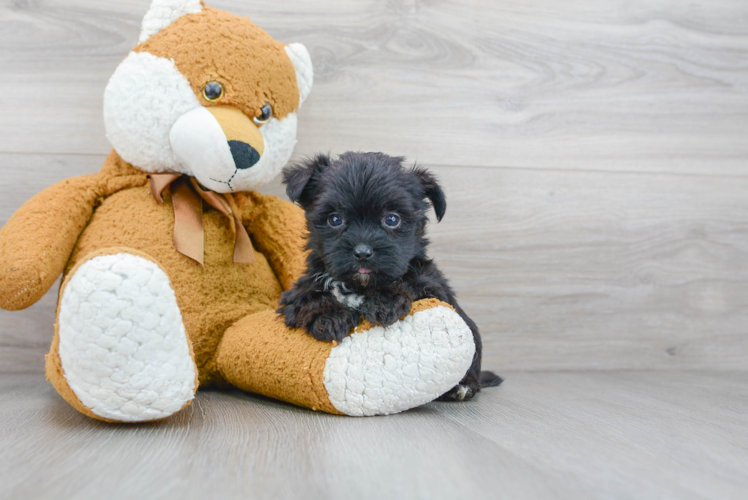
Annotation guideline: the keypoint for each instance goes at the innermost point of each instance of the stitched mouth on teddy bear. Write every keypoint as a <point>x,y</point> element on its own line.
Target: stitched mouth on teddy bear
<point>219,140</point>
<point>228,182</point>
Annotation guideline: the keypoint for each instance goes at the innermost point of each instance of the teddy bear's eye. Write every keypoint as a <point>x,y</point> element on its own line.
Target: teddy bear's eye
<point>265,113</point>
<point>213,91</point>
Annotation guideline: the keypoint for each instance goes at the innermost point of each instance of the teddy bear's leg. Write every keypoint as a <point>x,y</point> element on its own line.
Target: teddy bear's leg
<point>374,371</point>
<point>120,351</point>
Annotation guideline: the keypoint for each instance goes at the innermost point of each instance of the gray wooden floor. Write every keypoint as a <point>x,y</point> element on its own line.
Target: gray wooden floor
<point>595,158</point>
<point>572,435</point>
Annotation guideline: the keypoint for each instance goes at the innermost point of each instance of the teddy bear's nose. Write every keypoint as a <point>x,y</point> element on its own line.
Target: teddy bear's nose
<point>245,156</point>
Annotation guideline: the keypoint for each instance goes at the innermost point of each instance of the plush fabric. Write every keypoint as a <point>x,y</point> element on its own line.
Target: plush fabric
<point>143,100</point>
<point>140,325</point>
<point>374,371</point>
<point>35,244</point>
<point>213,296</point>
<point>164,12</point>
<point>302,62</point>
<point>407,364</point>
<point>255,73</point>
<point>163,78</point>
<point>121,337</point>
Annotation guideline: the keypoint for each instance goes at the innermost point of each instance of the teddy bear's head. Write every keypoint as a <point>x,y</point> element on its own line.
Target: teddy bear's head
<point>207,94</point>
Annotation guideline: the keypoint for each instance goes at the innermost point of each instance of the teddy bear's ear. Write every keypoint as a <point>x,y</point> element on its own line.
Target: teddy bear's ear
<point>302,63</point>
<point>301,180</point>
<point>164,12</point>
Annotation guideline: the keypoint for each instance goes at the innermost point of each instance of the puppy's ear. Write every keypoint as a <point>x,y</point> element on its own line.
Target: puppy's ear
<point>432,190</point>
<point>302,179</point>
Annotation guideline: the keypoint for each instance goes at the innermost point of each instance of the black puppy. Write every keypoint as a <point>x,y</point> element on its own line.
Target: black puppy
<point>366,216</point>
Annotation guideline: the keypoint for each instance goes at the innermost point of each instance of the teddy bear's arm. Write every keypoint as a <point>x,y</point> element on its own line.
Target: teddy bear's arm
<point>277,228</point>
<point>36,242</point>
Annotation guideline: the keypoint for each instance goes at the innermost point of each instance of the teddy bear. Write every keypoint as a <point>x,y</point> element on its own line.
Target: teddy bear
<point>172,263</point>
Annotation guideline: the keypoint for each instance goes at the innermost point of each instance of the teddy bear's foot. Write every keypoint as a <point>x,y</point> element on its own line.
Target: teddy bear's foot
<point>374,371</point>
<point>383,370</point>
<point>121,353</point>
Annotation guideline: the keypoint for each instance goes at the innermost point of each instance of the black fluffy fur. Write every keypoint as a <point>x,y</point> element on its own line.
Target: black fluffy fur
<point>363,189</point>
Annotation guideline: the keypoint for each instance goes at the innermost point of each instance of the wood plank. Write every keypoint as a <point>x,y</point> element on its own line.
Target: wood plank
<point>541,436</point>
<point>629,86</point>
<point>561,270</point>
<point>231,445</point>
<point>590,270</point>
<point>623,435</point>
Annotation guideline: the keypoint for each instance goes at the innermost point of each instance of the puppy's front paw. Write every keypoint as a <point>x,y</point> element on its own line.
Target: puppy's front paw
<point>332,325</point>
<point>291,309</point>
<point>290,315</point>
<point>386,310</point>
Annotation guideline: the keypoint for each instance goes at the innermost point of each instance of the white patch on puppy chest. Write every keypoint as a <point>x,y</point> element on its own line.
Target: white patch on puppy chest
<point>123,346</point>
<point>388,370</point>
<point>349,299</point>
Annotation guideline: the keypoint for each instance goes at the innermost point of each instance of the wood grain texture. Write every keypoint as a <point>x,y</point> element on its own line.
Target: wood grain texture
<point>624,85</point>
<point>591,270</point>
<point>539,436</point>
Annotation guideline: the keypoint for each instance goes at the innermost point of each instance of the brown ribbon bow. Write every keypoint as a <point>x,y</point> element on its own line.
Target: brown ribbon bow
<point>187,197</point>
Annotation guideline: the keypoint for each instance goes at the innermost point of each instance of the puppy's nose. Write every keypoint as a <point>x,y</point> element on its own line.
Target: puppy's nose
<point>363,252</point>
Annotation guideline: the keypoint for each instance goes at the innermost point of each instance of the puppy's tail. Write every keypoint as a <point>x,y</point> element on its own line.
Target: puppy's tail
<point>489,379</point>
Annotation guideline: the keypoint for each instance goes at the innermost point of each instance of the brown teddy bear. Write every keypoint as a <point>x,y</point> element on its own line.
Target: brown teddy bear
<point>173,266</point>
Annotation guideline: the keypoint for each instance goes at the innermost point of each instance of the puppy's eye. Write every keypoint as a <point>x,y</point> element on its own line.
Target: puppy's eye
<point>212,91</point>
<point>392,221</point>
<point>265,113</point>
<point>335,220</point>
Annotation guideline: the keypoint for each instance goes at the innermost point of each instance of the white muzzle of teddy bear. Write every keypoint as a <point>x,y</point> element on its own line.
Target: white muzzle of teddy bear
<point>225,161</point>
